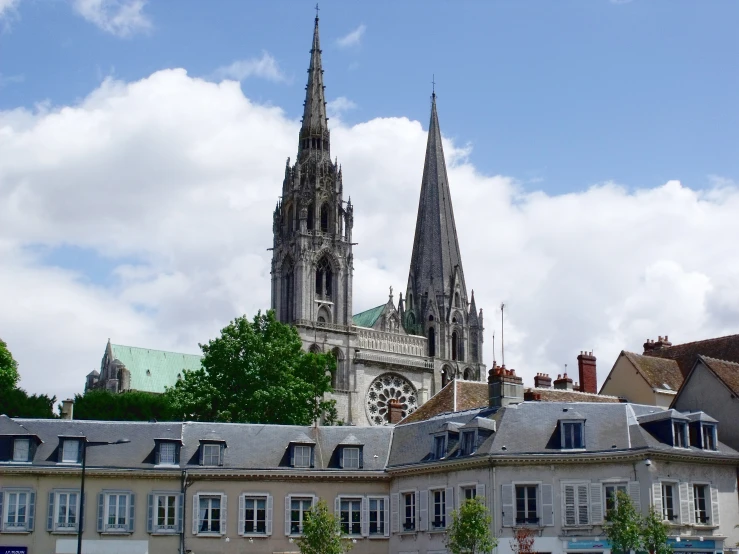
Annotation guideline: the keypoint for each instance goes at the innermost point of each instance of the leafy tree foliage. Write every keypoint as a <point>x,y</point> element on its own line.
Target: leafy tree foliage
<point>8,369</point>
<point>127,406</point>
<point>654,534</point>
<point>256,372</point>
<point>469,532</point>
<point>15,401</point>
<point>322,532</point>
<point>623,525</point>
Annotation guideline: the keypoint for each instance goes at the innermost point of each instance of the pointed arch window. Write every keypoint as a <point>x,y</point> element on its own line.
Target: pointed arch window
<point>324,218</point>
<point>455,344</point>
<point>432,342</point>
<point>287,304</point>
<point>311,216</point>
<point>340,379</point>
<point>324,279</point>
<point>457,302</point>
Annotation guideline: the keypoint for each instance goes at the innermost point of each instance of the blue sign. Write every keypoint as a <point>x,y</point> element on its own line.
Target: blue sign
<point>13,550</point>
<point>692,544</point>
<point>589,545</point>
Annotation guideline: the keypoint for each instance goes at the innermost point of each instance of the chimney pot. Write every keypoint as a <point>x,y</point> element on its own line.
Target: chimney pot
<point>395,411</point>
<point>67,408</point>
<point>586,366</point>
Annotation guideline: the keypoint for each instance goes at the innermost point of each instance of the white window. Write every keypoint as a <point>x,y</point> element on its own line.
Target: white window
<point>575,500</point>
<point>167,451</point>
<point>709,438</point>
<point>377,523</point>
<point>64,507</point>
<point>166,516</point>
<point>572,435</point>
<point>211,454</point>
<point>527,505</point>
<point>469,493</point>
<point>669,502</point>
<point>209,514</point>
<point>701,506</point>
<point>438,498</point>
<point>21,450</point>
<point>350,458</point>
<point>680,434</point>
<point>298,508</point>
<point>612,491</point>
<point>468,443</point>
<point>17,510</point>
<point>116,518</point>
<point>255,514</point>
<point>301,455</point>
<point>409,511</point>
<point>71,451</point>
<point>350,513</point>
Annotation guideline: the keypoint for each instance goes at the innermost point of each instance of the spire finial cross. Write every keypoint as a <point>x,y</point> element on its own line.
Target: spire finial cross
<point>317,8</point>
<point>433,85</point>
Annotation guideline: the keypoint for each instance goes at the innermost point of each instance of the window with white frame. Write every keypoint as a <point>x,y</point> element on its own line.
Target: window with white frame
<point>168,453</point>
<point>64,507</point>
<point>17,510</point>
<point>350,514</point>
<point>572,435</point>
<point>438,499</point>
<point>469,492</point>
<point>71,451</point>
<point>209,514</point>
<point>255,514</point>
<point>22,450</point>
<point>611,492</point>
<point>575,501</point>
<point>468,443</point>
<point>409,511</point>
<point>701,499</point>
<point>166,516</point>
<point>527,505</point>
<point>301,455</point>
<point>116,516</point>
<point>439,447</point>
<point>298,508</point>
<point>211,454</point>
<point>679,434</point>
<point>377,523</point>
<point>350,458</point>
<point>708,436</point>
<point>669,501</point>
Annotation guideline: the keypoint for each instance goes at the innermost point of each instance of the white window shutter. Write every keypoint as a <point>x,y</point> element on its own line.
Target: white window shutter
<point>506,499</point>
<point>287,515</point>
<point>150,513</point>
<point>131,512</point>
<point>337,508</point>
<point>270,510</point>
<point>657,497</point>
<point>582,504</point>
<point>387,516</point>
<point>596,503</point>
<point>547,505</point>
<point>180,513</point>
<point>195,513</point>
<point>569,512</point>
<point>685,505</point>
<point>635,494</point>
<point>242,510</point>
<point>31,511</point>
<point>714,506</point>
<point>395,512</point>
<point>449,508</point>
<point>479,493</point>
<point>50,513</point>
<point>101,508</point>
<point>423,502</point>
<point>365,516</point>
<point>691,501</point>
<point>224,513</point>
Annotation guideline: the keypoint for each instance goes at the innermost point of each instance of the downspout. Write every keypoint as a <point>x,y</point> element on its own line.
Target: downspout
<point>493,496</point>
<point>183,490</point>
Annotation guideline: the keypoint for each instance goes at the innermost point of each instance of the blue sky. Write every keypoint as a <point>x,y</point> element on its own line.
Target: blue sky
<point>564,94</point>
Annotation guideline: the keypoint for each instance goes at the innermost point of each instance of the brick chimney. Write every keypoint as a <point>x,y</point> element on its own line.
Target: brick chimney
<point>588,374</point>
<point>504,387</point>
<point>563,382</point>
<point>395,411</point>
<point>542,381</point>
<point>659,344</point>
<point>67,408</point>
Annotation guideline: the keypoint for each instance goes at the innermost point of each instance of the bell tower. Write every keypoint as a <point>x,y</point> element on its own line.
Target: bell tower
<point>312,261</point>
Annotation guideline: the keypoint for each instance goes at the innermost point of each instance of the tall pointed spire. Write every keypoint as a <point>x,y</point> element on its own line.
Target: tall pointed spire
<point>314,135</point>
<point>435,248</point>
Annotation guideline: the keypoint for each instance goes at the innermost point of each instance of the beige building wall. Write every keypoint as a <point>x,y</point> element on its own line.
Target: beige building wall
<point>625,381</point>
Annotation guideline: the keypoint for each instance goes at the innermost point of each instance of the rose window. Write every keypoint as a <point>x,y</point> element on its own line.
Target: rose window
<point>385,388</point>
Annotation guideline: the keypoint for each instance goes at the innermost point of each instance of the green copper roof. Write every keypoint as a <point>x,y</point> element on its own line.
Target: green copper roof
<point>369,317</point>
<point>153,370</point>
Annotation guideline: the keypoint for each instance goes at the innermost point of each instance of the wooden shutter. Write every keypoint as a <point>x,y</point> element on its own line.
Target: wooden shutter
<point>635,495</point>
<point>479,493</point>
<point>287,513</point>
<point>449,508</point>
<point>224,513</point>
<point>337,508</point>
<point>101,509</point>
<point>50,513</point>
<point>131,512</point>
<point>365,516</point>
<point>395,512</point>
<point>423,504</point>
<point>596,503</point>
<point>657,498</point>
<point>506,500</point>
<point>386,506</point>
<point>691,501</point>
<point>31,510</point>
<point>547,505</point>
<point>714,506</point>
<point>242,510</point>
<point>196,510</point>
<point>268,523</point>
<point>569,510</point>
<point>582,504</point>
<point>685,506</point>
<point>150,513</point>
<point>180,512</point>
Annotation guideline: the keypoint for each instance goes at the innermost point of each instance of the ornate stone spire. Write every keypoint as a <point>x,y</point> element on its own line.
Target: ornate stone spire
<point>314,135</point>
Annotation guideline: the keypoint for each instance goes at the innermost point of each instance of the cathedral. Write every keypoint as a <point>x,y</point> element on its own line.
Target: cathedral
<point>408,351</point>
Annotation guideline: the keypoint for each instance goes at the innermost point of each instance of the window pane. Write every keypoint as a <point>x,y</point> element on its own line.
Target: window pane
<point>166,453</point>
<point>20,450</point>
<point>70,451</point>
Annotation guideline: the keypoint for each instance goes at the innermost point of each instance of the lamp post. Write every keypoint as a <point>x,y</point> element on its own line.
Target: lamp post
<point>80,519</point>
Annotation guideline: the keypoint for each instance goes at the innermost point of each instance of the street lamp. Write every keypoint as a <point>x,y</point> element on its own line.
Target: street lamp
<point>85,444</point>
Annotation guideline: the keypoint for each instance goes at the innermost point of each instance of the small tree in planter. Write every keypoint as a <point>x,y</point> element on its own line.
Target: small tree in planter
<point>523,541</point>
<point>654,534</point>
<point>322,533</point>
<point>469,532</point>
<point>623,525</point>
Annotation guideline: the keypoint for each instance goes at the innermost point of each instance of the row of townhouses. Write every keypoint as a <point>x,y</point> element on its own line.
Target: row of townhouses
<point>552,467</point>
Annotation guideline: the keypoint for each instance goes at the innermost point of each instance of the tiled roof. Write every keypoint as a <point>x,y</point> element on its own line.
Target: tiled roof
<point>720,348</point>
<point>728,372</point>
<point>162,367</point>
<point>470,395</point>
<point>559,395</point>
<point>660,373</point>
<point>369,317</point>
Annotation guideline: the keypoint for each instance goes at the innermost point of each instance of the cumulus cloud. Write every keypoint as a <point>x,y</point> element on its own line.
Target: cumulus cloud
<point>6,6</point>
<point>121,18</point>
<point>169,182</point>
<point>264,67</point>
<point>339,106</point>
<point>354,38</point>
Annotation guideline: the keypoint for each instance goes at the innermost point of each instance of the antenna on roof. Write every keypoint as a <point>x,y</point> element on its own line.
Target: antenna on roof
<point>502,334</point>
<point>493,347</point>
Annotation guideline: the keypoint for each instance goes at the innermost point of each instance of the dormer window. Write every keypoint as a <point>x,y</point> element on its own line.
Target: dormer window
<point>468,443</point>
<point>439,446</point>
<point>70,451</point>
<point>22,450</point>
<point>350,457</point>
<point>302,455</point>
<point>679,434</point>
<point>212,452</point>
<point>168,452</point>
<point>572,435</point>
<point>708,436</point>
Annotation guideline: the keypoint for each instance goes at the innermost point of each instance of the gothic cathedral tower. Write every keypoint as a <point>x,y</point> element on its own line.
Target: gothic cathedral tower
<point>312,250</point>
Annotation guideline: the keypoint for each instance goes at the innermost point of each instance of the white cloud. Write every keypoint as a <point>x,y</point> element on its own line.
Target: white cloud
<point>353,38</point>
<point>121,18</point>
<point>339,106</point>
<point>6,6</point>
<point>265,67</point>
<point>173,180</point>
<point>11,79</point>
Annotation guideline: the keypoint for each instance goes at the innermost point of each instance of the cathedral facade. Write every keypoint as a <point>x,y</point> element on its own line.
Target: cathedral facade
<point>406,351</point>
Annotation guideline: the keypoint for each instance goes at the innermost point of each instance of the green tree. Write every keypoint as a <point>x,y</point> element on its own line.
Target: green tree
<point>256,372</point>
<point>126,406</point>
<point>322,532</point>
<point>623,525</point>
<point>8,369</point>
<point>16,402</point>
<point>469,532</point>
<point>654,534</point>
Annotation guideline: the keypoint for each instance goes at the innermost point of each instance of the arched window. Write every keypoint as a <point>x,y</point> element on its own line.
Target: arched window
<point>432,342</point>
<point>340,380</point>
<point>324,279</point>
<point>455,339</point>
<point>315,349</point>
<point>324,218</point>
<point>456,300</point>
<point>287,305</point>
<point>468,374</point>
<point>409,301</point>
<point>290,219</point>
<point>446,376</point>
<point>310,216</point>
<point>431,317</point>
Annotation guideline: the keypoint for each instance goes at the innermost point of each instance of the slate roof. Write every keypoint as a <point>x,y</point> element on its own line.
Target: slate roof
<point>728,372</point>
<point>720,348</point>
<point>469,395</point>
<point>561,395</point>
<point>163,367</point>
<point>659,373</point>
<point>369,317</point>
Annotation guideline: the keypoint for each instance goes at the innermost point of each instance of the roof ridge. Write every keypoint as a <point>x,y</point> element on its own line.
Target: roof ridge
<point>369,309</point>
<point>696,342</point>
<point>154,349</point>
<point>572,391</point>
<point>718,360</point>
